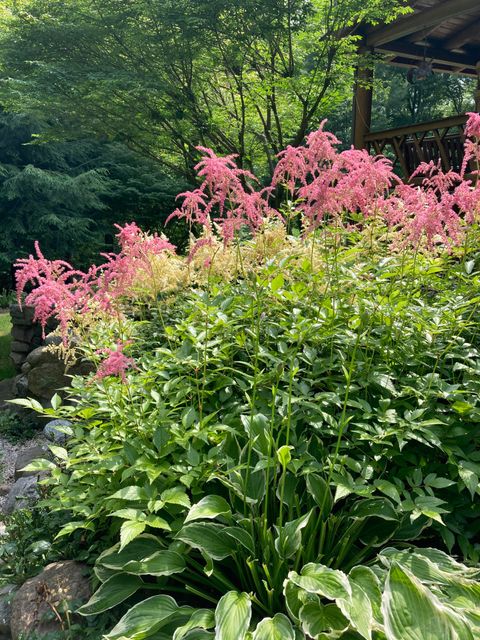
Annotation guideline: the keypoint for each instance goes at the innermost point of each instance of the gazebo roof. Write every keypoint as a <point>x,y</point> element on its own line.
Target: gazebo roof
<point>446,32</point>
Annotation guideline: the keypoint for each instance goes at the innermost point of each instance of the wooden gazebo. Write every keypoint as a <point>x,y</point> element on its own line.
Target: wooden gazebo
<point>443,35</point>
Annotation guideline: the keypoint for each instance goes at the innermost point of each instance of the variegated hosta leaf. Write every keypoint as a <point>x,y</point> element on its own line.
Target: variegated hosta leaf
<point>412,612</point>
<point>277,628</point>
<point>232,616</point>
<point>112,592</point>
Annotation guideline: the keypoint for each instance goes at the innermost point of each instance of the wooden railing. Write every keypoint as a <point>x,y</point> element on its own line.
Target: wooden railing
<point>409,146</point>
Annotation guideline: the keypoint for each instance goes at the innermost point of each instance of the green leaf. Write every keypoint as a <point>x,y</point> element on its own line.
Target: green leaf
<point>373,507</point>
<point>317,618</point>
<point>232,616</point>
<point>209,507</point>
<point>277,628</point>
<point>129,493</point>
<point>161,563</point>
<point>147,617</point>
<point>412,612</point>
<point>201,619</point>
<point>319,579</point>
<point>365,578</point>
<point>358,610</point>
<point>289,539</point>
<point>209,538</point>
<point>129,530</point>
<point>58,452</point>
<point>56,401</point>
<point>320,492</point>
<point>40,464</point>
<point>176,495</point>
<point>277,283</point>
<point>284,455</point>
<point>112,592</point>
<point>140,549</point>
<point>241,536</point>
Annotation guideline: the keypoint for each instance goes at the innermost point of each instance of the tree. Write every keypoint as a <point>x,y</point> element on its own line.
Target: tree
<point>69,194</point>
<point>242,76</point>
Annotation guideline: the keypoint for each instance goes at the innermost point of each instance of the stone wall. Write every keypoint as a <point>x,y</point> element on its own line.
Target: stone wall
<point>26,334</point>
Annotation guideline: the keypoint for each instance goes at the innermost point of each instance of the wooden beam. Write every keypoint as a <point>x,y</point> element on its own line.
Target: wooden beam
<point>362,105</point>
<point>434,52</point>
<point>453,121</point>
<point>419,21</point>
<point>462,37</point>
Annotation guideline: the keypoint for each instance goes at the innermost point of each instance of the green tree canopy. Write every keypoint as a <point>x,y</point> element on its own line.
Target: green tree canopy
<point>241,76</point>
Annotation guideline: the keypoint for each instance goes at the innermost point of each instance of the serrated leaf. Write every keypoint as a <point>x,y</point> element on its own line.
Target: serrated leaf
<point>129,493</point>
<point>129,530</point>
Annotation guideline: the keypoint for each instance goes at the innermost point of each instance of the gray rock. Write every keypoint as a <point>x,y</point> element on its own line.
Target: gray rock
<point>6,595</point>
<point>25,457</point>
<point>17,359</point>
<point>19,347</point>
<point>40,355</point>
<point>6,389</point>
<point>22,494</point>
<point>58,583</point>
<point>21,315</point>
<point>24,334</point>
<point>20,387</point>
<point>52,433</point>
<point>26,367</point>
<point>47,378</point>
<point>52,339</point>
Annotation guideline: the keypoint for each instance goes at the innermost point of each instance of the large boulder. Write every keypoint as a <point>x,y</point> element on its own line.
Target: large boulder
<point>27,456</point>
<point>23,493</point>
<point>57,431</point>
<point>6,594</point>
<point>60,584</point>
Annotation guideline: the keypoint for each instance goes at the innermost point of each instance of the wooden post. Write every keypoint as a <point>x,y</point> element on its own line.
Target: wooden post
<point>362,102</point>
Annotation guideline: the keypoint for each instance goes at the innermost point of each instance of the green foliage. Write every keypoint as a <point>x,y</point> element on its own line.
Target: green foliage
<point>240,76</point>
<point>279,433</point>
<point>70,193</point>
<point>16,427</point>
<point>7,369</point>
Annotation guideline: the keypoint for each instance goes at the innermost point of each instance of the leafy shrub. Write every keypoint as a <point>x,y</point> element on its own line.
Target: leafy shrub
<point>264,439</point>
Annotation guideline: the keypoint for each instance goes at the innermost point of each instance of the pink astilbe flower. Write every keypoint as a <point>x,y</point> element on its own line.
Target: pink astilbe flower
<point>59,290</point>
<point>226,197</point>
<point>320,148</point>
<point>420,214</point>
<point>300,165</point>
<point>472,144</point>
<point>363,181</point>
<point>115,364</point>
<point>467,198</point>
<point>120,272</point>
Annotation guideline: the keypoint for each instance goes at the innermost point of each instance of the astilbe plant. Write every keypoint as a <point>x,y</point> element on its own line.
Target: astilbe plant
<point>58,291</point>
<point>326,184</point>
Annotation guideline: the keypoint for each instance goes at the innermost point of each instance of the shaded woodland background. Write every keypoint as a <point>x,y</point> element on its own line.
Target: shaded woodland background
<point>102,105</point>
